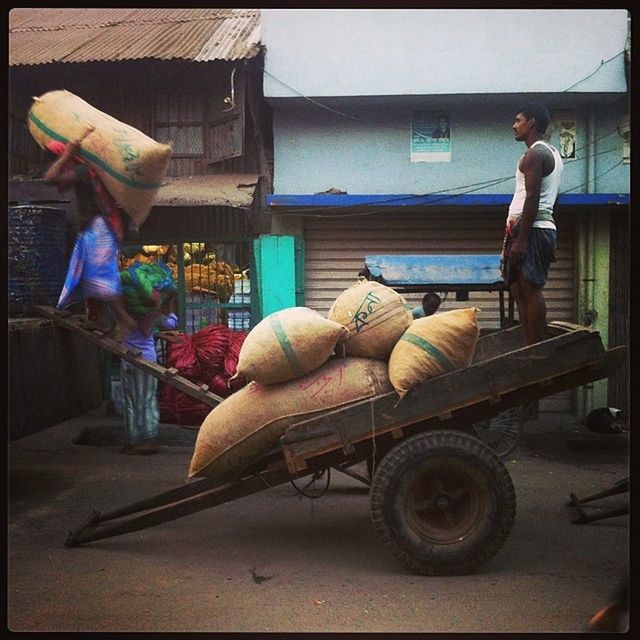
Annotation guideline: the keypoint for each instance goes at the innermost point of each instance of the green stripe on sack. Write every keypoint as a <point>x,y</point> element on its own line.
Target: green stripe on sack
<point>287,348</point>
<point>93,158</point>
<point>427,347</point>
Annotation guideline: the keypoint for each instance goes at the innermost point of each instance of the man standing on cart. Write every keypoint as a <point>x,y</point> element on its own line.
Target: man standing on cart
<point>530,235</point>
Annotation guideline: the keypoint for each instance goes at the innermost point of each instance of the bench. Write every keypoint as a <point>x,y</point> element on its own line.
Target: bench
<point>459,273</point>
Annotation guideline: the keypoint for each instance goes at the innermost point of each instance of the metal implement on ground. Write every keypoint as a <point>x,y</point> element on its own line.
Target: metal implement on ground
<point>441,500</point>
<point>602,513</point>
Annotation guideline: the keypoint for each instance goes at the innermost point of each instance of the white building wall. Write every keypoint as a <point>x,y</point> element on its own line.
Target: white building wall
<point>365,52</point>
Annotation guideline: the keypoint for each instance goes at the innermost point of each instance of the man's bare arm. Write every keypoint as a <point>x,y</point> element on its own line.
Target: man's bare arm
<point>531,166</point>
<point>57,173</point>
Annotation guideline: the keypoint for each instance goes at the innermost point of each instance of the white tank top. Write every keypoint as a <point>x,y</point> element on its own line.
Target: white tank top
<point>549,187</point>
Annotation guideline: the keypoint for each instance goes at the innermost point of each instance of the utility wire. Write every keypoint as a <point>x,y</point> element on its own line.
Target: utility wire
<point>593,73</point>
<point>484,184</point>
<point>355,118</point>
<point>319,104</point>
<point>600,175</point>
<point>336,210</point>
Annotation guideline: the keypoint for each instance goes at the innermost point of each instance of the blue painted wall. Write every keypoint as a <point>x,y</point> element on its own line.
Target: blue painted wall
<point>315,150</point>
<point>369,69</point>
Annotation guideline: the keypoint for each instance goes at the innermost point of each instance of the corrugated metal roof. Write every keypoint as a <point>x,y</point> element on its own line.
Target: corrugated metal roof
<point>41,36</point>
<point>221,190</point>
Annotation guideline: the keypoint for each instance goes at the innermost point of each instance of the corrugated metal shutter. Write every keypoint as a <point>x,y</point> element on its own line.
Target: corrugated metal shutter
<point>336,247</point>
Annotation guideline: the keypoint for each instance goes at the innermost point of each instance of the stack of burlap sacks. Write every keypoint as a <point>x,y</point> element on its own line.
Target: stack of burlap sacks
<point>301,364</point>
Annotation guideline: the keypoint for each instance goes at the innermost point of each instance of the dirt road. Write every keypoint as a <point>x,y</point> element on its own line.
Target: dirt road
<point>274,562</point>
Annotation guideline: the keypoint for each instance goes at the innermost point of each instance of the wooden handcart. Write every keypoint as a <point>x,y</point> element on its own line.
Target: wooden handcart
<point>442,501</point>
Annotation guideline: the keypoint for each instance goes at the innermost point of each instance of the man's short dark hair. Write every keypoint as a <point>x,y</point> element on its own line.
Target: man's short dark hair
<point>538,111</point>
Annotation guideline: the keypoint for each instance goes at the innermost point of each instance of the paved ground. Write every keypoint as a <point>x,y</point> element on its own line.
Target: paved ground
<point>275,562</point>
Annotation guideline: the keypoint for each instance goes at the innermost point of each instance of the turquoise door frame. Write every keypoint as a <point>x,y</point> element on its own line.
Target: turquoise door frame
<point>280,272</point>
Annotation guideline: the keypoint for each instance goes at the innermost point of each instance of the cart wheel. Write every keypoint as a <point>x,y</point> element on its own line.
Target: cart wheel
<point>442,502</point>
<point>501,433</point>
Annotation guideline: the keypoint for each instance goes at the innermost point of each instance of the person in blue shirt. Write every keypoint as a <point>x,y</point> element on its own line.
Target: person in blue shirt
<point>141,412</point>
<point>430,304</point>
<point>92,276</point>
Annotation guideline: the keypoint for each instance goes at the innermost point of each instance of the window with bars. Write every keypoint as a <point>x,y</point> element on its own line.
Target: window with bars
<point>208,124</point>
<point>180,122</point>
<point>213,279</point>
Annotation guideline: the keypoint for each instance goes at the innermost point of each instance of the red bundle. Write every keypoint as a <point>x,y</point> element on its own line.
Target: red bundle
<point>209,356</point>
<point>182,355</point>
<point>189,411</point>
<point>210,345</point>
<point>236,339</point>
<point>219,384</point>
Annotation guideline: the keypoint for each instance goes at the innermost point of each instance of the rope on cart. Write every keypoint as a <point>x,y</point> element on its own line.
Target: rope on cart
<point>316,476</point>
<point>373,439</point>
<point>303,492</point>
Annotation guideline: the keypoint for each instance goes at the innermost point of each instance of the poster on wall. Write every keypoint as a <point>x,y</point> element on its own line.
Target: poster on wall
<point>564,134</point>
<point>625,133</point>
<point>430,137</point>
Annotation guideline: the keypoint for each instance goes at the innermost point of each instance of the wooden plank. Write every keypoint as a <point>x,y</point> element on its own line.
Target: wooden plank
<point>525,367</point>
<point>169,376</point>
<point>194,497</point>
<point>494,344</point>
<point>463,416</point>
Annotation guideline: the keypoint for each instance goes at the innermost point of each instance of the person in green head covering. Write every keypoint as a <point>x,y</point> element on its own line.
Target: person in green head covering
<point>149,293</point>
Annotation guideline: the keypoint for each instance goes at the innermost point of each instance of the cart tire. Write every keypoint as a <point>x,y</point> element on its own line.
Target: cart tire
<point>443,503</point>
<point>501,433</point>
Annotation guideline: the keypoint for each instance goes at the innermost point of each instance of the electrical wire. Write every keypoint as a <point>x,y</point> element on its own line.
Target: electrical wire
<point>311,100</point>
<point>593,73</point>
<point>315,477</point>
<point>346,211</point>
<point>336,210</point>
<point>600,175</point>
<point>357,119</point>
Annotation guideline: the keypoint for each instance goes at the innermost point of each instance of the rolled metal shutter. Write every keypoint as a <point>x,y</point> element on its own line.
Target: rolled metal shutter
<point>336,247</point>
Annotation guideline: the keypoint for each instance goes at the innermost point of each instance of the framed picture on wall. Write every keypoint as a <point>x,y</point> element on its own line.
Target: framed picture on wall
<point>563,133</point>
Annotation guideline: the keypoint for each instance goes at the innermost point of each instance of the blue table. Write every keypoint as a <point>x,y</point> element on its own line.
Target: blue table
<point>460,273</point>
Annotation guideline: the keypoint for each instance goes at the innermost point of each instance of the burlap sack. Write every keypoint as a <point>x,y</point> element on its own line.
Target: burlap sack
<point>288,344</point>
<point>130,164</point>
<point>376,317</point>
<point>431,346</point>
<point>248,424</point>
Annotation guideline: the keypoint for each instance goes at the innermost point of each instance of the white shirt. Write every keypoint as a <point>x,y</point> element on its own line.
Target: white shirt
<point>549,188</point>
